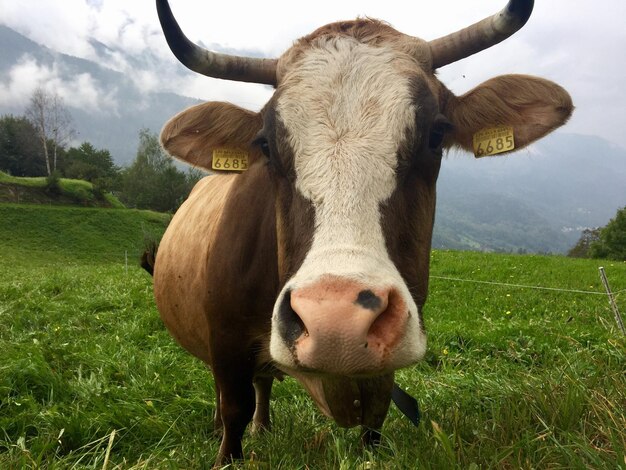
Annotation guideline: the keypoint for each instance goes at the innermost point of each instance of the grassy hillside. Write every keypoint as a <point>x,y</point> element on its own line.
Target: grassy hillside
<point>71,192</point>
<point>31,232</point>
<point>515,377</point>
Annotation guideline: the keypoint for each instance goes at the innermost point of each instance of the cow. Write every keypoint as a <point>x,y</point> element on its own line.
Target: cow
<point>314,261</point>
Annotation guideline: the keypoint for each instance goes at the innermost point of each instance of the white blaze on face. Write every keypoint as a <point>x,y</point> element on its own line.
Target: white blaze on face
<point>346,108</point>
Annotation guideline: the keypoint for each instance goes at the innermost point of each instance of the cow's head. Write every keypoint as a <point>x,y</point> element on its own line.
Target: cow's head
<point>353,139</point>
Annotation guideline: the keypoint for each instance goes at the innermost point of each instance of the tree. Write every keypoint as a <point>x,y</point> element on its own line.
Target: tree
<point>52,121</point>
<point>19,153</point>
<point>612,240</point>
<point>90,164</point>
<point>152,181</point>
<point>582,247</point>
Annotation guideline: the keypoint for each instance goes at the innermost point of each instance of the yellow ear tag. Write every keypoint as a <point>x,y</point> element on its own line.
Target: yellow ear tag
<point>493,140</point>
<point>229,159</point>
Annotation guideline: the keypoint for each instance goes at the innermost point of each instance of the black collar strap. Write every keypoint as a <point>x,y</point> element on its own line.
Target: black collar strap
<point>406,404</point>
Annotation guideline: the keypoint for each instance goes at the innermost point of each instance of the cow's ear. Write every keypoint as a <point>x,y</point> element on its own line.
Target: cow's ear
<point>193,134</point>
<point>532,106</point>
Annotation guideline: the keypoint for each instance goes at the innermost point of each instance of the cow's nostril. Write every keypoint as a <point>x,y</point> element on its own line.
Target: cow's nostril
<point>387,325</point>
<point>290,325</point>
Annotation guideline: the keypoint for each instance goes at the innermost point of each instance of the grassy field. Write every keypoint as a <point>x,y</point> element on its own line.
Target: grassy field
<point>89,378</point>
<point>32,234</point>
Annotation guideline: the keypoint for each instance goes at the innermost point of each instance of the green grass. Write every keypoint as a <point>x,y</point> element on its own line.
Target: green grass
<point>33,182</point>
<point>89,378</point>
<point>32,233</point>
<point>32,190</point>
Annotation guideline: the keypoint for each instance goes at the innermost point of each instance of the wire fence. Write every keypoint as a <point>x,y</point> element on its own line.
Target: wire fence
<point>611,295</point>
<point>523,286</point>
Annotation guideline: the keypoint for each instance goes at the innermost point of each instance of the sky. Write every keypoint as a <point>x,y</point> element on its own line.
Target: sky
<point>580,45</point>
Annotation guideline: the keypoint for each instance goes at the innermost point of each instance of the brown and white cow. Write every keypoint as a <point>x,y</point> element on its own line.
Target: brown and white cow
<point>314,261</point>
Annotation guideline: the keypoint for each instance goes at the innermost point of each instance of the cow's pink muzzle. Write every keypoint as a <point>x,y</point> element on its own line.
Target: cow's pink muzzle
<point>340,326</point>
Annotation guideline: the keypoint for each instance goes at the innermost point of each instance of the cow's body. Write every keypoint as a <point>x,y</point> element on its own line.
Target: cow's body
<point>314,261</point>
<point>182,270</point>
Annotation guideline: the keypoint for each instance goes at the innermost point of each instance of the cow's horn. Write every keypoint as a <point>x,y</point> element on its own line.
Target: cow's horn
<point>481,35</point>
<point>212,64</point>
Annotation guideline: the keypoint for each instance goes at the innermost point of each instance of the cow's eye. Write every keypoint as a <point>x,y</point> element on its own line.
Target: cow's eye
<point>438,131</point>
<point>265,148</point>
<point>263,144</point>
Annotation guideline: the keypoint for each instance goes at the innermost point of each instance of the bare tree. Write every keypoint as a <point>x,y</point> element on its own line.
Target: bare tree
<point>52,121</point>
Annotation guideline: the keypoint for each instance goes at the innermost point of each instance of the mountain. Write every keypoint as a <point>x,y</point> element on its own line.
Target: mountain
<point>108,107</point>
<point>536,200</point>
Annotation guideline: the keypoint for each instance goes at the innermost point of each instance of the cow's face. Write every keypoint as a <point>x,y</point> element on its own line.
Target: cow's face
<point>353,141</point>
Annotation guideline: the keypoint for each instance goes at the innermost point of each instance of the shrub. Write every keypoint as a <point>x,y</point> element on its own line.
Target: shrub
<point>612,240</point>
<point>100,188</point>
<point>53,184</point>
<point>582,247</point>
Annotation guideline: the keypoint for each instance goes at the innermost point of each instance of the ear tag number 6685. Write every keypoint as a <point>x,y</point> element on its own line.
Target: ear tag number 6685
<point>493,141</point>
<point>229,160</point>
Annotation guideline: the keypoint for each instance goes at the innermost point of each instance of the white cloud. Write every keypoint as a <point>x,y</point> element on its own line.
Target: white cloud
<point>246,95</point>
<point>83,92</point>
<point>60,26</point>
<point>22,81</point>
<point>80,91</point>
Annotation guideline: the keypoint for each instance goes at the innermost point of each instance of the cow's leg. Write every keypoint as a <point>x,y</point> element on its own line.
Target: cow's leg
<point>375,398</point>
<point>370,437</point>
<point>234,379</point>
<point>263,391</point>
<point>217,416</point>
